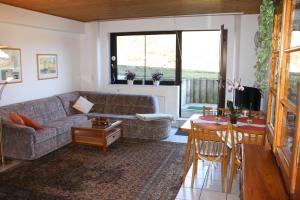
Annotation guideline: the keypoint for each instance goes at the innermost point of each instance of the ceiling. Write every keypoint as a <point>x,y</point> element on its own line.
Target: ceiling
<point>91,10</point>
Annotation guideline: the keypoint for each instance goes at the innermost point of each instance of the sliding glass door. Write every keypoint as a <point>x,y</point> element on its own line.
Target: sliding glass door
<point>203,70</point>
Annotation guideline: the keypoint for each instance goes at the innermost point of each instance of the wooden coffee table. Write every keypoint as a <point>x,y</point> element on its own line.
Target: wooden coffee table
<point>98,136</point>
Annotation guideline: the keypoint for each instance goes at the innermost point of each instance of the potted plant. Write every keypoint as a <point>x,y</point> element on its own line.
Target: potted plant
<point>156,77</point>
<point>233,86</point>
<point>130,76</point>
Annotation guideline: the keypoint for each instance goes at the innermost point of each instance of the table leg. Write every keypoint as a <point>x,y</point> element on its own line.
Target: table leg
<point>187,156</point>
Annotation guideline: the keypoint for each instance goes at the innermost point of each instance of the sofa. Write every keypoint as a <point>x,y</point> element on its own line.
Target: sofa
<point>57,116</point>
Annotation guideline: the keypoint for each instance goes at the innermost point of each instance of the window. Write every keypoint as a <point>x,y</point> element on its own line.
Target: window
<point>284,95</point>
<point>144,53</point>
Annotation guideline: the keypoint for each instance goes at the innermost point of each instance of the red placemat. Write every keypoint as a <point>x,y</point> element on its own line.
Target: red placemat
<point>214,118</point>
<point>254,120</point>
<point>252,128</point>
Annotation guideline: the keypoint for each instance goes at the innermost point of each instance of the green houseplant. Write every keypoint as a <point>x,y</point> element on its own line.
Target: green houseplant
<point>234,86</point>
<point>263,42</point>
<point>156,77</point>
<point>130,76</point>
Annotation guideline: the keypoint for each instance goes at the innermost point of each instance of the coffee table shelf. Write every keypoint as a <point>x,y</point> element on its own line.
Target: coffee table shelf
<point>102,137</point>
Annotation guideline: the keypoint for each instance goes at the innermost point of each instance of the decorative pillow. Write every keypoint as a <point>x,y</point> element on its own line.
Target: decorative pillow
<point>16,118</point>
<point>83,105</point>
<point>30,122</point>
<point>73,110</point>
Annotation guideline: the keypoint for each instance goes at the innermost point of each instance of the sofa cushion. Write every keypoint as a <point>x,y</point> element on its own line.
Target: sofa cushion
<point>131,120</point>
<point>45,134</point>
<point>83,105</point>
<point>77,119</point>
<point>62,125</point>
<point>130,104</point>
<point>136,128</point>
<point>41,110</point>
<point>16,118</point>
<point>98,99</point>
<point>30,122</point>
<point>66,98</point>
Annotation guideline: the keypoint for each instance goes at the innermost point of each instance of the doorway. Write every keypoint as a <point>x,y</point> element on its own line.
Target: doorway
<point>203,70</point>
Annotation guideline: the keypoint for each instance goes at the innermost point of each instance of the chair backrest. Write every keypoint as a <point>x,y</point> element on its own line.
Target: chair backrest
<point>215,111</point>
<point>241,135</point>
<point>257,114</point>
<point>208,111</point>
<point>209,140</point>
<point>223,111</point>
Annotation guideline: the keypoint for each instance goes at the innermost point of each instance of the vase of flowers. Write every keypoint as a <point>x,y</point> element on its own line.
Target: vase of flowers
<point>156,77</point>
<point>234,86</point>
<point>130,76</point>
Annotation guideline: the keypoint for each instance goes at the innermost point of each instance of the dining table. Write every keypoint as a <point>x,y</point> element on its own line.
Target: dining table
<point>244,122</point>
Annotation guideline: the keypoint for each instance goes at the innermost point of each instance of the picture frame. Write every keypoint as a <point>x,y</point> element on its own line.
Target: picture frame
<point>10,65</point>
<point>47,67</point>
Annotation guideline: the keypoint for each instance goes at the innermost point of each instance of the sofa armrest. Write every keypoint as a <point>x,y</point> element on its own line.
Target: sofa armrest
<point>18,140</point>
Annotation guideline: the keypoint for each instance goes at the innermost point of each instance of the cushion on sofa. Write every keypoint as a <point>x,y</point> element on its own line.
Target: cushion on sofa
<point>30,122</point>
<point>98,99</point>
<point>42,111</point>
<point>83,105</point>
<point>13,116</point>
<point>62,125</point>
<point>45,134</point>
<point>129,104</point>
<point>66,98</point>
<point>77,119</point>
<point>132,120</point>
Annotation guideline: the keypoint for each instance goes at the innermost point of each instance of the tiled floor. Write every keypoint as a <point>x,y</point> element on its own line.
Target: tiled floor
<point>207,184</point>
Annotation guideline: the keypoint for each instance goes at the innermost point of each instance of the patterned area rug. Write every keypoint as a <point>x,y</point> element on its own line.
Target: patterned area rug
<point>142,170</point>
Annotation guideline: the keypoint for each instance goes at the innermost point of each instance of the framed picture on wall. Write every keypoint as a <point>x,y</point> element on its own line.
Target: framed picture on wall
<point>47,66</point>
<point>10,65</point>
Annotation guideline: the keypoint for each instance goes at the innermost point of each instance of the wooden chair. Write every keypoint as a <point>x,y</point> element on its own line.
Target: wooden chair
<point>256,114</point>
<point>241,136</point>
<point>208,111</point>
<point>209,146</point>
<point>215,111</point>
<point>223,111</point>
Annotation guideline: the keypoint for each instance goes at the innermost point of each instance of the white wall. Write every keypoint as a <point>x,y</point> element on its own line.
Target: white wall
<point>239,46</point>
<point>35,33</point>
<point>247,61</point>
<point>83,51</point>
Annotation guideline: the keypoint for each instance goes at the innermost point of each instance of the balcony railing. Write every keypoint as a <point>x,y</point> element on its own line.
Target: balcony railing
<point>199,91</point>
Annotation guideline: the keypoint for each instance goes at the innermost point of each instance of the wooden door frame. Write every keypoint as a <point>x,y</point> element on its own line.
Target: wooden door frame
<point>223,66</point>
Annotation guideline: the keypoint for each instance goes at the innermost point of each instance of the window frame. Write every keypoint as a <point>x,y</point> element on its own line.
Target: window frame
<point>113,52</point>
<point>287,161</point>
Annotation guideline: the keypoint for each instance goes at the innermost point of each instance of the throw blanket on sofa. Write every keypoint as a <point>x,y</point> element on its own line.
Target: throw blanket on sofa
<point>154,116</point>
